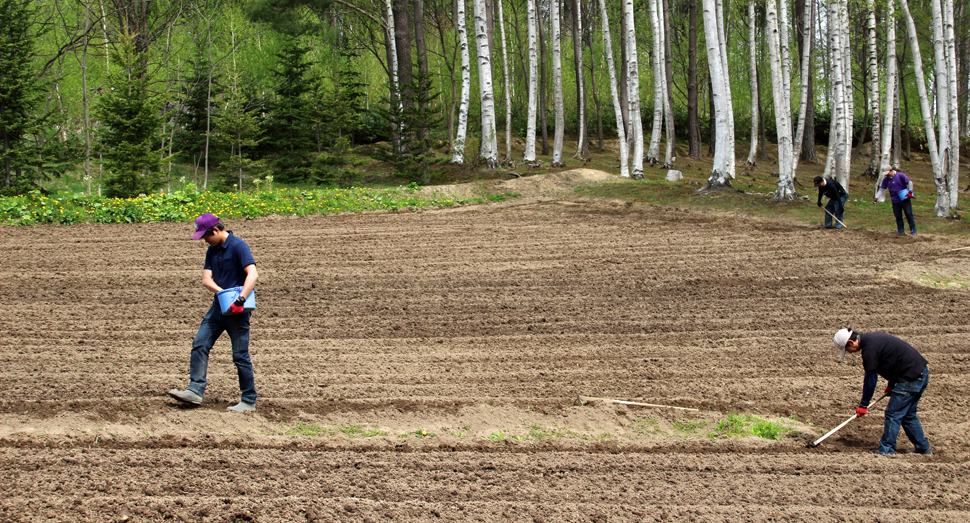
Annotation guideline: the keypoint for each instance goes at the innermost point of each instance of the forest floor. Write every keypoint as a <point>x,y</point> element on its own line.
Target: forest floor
<point>424,366</point>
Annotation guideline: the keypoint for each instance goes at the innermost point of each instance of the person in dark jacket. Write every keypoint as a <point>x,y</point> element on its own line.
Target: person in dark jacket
<point>837,197</point>
<point>900,189</point>
<point>906,371</point>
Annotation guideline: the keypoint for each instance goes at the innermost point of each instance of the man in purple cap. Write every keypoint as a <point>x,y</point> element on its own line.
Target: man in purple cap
<point>900,189</point>
<point>228,263</point>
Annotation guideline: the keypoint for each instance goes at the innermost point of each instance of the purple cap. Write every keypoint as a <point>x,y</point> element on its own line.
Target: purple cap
<point>203,223</point>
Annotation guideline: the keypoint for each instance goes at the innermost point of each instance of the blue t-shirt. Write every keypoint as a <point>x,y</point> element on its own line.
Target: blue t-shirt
<point>227,262</point>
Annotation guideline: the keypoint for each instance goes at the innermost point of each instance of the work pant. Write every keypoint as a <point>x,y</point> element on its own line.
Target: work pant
<point>901,412</point>
<point>835,206</point>
<point>904,207</point>
<point>213,325</point>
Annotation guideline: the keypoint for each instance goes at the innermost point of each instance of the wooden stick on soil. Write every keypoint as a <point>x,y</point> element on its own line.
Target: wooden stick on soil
<point>582,400</point>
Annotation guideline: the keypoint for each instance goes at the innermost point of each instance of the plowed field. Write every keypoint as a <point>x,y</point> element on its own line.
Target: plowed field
<point>423,366</point>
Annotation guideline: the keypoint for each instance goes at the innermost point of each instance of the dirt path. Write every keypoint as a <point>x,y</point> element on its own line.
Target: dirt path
<point>423,367</point>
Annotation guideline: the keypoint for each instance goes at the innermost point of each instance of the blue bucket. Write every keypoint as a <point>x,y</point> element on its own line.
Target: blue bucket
<point>228,296</point>
<point>903,194</point>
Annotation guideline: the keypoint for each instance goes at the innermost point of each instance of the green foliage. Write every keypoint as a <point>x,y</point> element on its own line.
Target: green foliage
<point>194,121</point>
<point>741,425</point>
<point>184,205</point>
<point>19,92</point>
<point>129,112</point>
<point>290,126</point>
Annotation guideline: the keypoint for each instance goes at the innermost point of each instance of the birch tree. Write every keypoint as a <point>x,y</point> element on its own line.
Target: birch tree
<point>489,148</point>
<point>872,81</point>
<point>582,145</point>
<point>837,164</point>
<point>808,23</point>
<point>722,171</point>
<point>507,81</point>
<point>458,155</point>
<point>753,83</point>
<point>659,93</point>
<point>953,102</point>
<point>886,140</point>
<point>942,192</point>
<point>635,134</point>
<point>614,92</point>
<point>530,129</point>
<point>786,186</point>
<point>558,134</point>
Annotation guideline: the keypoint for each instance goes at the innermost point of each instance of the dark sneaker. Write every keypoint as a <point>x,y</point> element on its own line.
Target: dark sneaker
<point>913,233</point>
<point>186,395</point>
<point>900,233</point>
<point>926,452</point>
<point>243,407</point>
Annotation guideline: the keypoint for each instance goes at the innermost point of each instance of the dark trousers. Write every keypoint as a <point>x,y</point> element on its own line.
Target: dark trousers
<point>904,207</point>
<point>835,206</point>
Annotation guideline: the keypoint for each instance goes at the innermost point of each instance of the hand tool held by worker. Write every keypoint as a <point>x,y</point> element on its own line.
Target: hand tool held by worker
<point>860,411</point>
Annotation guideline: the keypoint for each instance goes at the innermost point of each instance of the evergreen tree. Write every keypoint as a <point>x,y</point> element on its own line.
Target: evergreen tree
<point>190,137</point>
<point>19,95</point>
<point>238,131</point>
<point>131,125</point>
<point>289,124</point>
<point>343,106</point>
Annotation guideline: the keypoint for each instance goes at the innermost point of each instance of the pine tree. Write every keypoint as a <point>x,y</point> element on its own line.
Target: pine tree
<point>190,136</point>
<point>18,93</point>
<point>131,125</point>
<point>289,126</point>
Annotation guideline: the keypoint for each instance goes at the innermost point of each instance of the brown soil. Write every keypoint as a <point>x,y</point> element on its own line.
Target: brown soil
<point>423,366</point>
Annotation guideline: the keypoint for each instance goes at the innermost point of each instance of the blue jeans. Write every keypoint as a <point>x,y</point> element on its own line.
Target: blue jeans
<point>213,325</point>
<point>901,208</point>
<point>901,411</point>
<point>836,207</point>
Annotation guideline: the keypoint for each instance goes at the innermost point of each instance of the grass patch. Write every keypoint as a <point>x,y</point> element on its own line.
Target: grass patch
<point>356,431</point>
<point>742,425</point>
<point>689,428</point>
<point>305,429</point>
<point>419,433</point>
<point>943,282</point>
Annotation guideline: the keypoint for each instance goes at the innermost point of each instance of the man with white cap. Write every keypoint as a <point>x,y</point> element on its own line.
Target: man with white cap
<point>907,373</point>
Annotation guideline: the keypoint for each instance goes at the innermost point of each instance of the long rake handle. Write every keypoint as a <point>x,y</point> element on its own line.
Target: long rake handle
<point>846,422</point>
<point>833,216</point>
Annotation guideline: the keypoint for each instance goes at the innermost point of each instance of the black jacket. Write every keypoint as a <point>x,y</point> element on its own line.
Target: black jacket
<point>832,190</point>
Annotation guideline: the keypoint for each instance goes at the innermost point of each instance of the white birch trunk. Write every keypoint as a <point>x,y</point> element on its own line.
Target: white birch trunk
<point>809,25</point>
<point>942,192</point>
<point>849,99</point>
<point>489,149</point>
<point>942,102</point>
<point>508,90</point>
<point>949,40</point>
<point>887,125</point>
<point>782,103</point>
<point>753,81</point>
<point>530,128</point>
<point>722,171</point>
<point>659,94</point>
<point>458,156</point>
<point>728,97</point>
<point>785,49</point>
<point>839,93</point>
<point>582,144</point>
<point>560,131</point>
<point>635,131</point>
<point>395,97</point>
<point>614,92</point>
<point>873,84</point>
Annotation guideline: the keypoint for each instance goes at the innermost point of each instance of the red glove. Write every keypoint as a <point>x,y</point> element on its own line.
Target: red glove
<point>889,389</point>
<point>860,412</point>
<point>237,306</point>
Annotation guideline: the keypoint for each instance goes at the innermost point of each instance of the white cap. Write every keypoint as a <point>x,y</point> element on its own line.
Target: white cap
<point>841,338</point>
